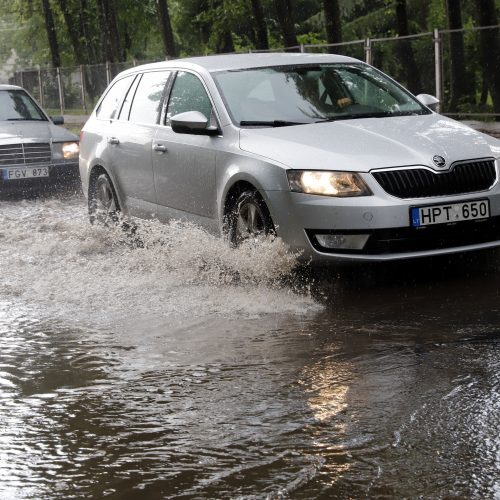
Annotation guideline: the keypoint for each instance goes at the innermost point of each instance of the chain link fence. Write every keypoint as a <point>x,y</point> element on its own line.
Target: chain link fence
<point>421,62</point>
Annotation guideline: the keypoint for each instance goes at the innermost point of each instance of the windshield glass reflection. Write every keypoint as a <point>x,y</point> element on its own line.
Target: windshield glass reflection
<point>16,105</point>
<point>292,95</point>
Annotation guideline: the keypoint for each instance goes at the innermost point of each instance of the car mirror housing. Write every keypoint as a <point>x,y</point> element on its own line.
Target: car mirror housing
<point>429,100</point>
<point>57,120</point>
<point>192,122</point>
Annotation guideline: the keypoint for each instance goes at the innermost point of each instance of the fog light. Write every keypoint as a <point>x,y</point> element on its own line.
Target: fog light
<point>343,241</point>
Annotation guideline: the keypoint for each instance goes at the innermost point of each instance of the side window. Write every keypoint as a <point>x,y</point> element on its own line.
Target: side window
<point>188,94</point>
<point>110,105</point>
<point>148,97</point>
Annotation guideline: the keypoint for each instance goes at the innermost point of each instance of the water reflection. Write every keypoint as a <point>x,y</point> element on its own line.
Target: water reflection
<point>328,397</point>
<point>329,406</point>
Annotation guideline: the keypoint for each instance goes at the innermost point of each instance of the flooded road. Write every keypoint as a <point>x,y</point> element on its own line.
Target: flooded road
<point>177,368</point>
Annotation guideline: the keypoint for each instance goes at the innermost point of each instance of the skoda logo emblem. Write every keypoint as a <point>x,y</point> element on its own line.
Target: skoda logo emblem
<point>439,161</point>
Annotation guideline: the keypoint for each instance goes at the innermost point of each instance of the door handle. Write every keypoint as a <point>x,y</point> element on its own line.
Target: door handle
<point>160,148</point>
<point>114,140</point>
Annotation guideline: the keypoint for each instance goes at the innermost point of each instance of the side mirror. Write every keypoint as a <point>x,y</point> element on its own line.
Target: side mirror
<point>430,101</point>
<point>57,120</point>
<point>192,122</point>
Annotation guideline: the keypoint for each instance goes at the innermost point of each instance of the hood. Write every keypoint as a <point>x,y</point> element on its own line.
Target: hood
<point>370,143</point>
<point>33,131</point>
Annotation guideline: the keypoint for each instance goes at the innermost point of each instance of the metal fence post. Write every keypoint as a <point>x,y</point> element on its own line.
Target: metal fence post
<point>368,51</point>
<point>60,88</point>
<point>40,86</point>
<point>438,67</point>
<point>82,77</point>
<point>21,78</point>
<point>302,48</point>
<point>108,73</point>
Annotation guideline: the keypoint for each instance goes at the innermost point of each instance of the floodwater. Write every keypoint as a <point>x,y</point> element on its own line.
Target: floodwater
<point>169,366</point>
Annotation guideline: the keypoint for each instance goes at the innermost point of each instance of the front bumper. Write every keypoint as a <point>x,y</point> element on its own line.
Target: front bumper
<point>61,175</point>
<point>385,219</point>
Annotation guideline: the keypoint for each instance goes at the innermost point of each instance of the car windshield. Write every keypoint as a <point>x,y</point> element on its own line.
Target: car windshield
<point>291,95</point>
<point>16,105</point>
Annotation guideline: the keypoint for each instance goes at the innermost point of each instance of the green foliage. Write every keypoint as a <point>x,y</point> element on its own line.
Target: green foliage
<point>206,26</point>
<point>311,38</point>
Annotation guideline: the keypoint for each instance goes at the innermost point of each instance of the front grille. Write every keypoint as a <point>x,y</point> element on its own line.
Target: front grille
<point>410,239</point>
<point>467,177</point>
<point>24,154</point>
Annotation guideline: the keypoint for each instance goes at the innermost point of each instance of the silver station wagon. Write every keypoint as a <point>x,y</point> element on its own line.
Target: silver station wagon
<point>324,151</point>
<point>34,151</point>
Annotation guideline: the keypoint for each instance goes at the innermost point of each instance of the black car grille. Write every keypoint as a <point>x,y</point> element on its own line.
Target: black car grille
<point>24,154</point>
<point>467,177</point>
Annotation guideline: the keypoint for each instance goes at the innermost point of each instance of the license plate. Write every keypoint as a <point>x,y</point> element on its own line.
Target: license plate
<point>451,212</point>
<point>13,174</point>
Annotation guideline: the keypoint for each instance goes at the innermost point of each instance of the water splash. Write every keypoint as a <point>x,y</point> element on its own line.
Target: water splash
<point>54,260</point>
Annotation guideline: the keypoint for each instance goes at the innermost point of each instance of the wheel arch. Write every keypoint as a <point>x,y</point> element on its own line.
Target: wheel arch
<point>94,173</point>
<point>238,180</point>
<point>233,190</point>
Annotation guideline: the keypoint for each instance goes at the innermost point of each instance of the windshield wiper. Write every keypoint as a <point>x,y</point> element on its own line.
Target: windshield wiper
<point>353,116</point>
<point>269,123</point>
<point>25,119</point>
<point>375,114</point>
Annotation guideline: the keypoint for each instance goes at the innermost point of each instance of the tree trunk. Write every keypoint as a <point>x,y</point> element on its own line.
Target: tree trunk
<point>224,40</point>
<point>461,89</point>
<point>73,33</point>
<point>51,34</point>
<point>87,33</point>
<point>333,25</point>
<point>166,28</point>
<point>109,26</point>
<point>112,20</point>
<point>405,50</point>
<point>284,11</point>
<point>225,43</point>
<point>260,24</point>
<point>105,35</point>
<point>490,50</point>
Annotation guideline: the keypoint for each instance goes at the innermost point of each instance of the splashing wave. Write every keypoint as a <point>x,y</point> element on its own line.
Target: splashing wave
<point>54,260</point>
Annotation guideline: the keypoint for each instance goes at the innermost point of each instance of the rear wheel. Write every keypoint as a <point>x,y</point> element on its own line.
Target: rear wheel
<point>103,203</point>
<point>249,219</point>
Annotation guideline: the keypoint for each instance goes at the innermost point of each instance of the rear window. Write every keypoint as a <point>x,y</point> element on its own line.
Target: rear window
<point>110,105</point>
<point>17,105</point>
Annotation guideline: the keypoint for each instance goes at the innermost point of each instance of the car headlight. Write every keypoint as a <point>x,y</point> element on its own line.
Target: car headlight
<point>325,183</point>
<point>65,150</point>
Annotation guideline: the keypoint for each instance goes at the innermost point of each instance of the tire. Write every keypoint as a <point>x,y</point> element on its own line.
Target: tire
<point>249,219</point>
<point>103,202</point>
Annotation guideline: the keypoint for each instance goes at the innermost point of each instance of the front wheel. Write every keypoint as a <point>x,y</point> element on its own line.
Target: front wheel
<point>249,219</point>
<point>103,203</point>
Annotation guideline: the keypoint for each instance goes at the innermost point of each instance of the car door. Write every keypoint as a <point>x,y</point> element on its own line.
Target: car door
<point>132,138</point>
<point>184,164</point>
